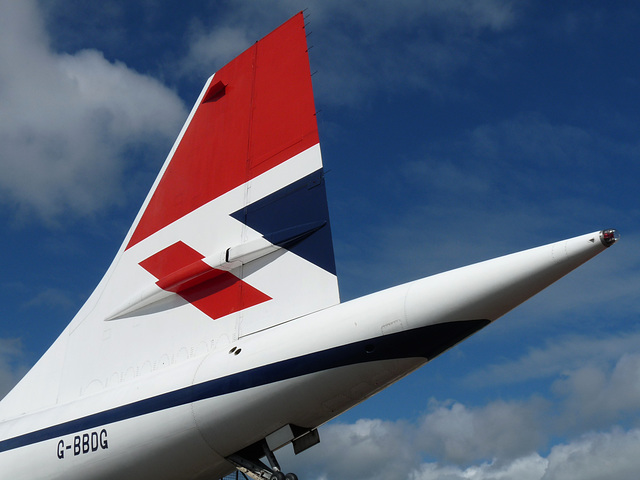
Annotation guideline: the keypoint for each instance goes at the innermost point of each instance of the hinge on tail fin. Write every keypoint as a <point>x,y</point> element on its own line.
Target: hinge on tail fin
<point>216,92</point>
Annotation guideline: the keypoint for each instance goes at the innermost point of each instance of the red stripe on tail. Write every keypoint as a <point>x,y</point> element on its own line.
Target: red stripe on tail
<point>257,113</point>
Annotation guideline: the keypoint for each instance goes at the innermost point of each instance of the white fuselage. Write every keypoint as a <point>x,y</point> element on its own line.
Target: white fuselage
<point>182,421</point>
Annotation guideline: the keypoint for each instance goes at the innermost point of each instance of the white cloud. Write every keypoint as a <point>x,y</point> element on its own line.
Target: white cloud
<point>375,449</point>
<point>69,123</point>
<point>211,50</point>
<point>529,467</point>
<point>597,456</point>
<point>501,439</point>
<point>595,395</point>
<point>458,434</point>
<point>557,357</point>
<point>592,382</point>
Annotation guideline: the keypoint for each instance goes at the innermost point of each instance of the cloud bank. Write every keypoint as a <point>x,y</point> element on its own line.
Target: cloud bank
<point>573,432</point>
<point>69,123</point>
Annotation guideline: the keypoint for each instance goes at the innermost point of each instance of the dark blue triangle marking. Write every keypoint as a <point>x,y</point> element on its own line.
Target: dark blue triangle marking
<point>295,217</point>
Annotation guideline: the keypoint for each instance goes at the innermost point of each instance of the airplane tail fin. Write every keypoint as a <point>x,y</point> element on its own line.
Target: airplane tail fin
<point>243,193</point>
<point>235,221</point>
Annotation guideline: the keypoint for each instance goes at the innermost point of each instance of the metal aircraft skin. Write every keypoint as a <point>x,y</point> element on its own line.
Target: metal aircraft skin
<point>217,335</point>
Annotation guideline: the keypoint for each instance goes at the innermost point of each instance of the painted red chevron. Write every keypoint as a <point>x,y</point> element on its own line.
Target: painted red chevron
<point>180,269</point>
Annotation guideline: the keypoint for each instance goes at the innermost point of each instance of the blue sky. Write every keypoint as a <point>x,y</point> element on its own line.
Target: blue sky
<point>453,131</point>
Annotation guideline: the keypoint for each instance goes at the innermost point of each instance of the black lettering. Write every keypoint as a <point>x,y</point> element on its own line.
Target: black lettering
<point>76,445</point>
<point>61,449</point>
<point>85,443</point>
<point>103,439</point>
<point>94,441</point>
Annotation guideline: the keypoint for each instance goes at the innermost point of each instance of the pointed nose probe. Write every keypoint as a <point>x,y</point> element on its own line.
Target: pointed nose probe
<point>609,237</point>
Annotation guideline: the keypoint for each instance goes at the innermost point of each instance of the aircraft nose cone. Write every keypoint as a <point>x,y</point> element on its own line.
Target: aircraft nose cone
<point>489,289</point>
<point>609,237</point>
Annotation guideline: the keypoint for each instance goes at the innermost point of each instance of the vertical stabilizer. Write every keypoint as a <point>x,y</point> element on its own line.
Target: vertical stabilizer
<point>233,238</point>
